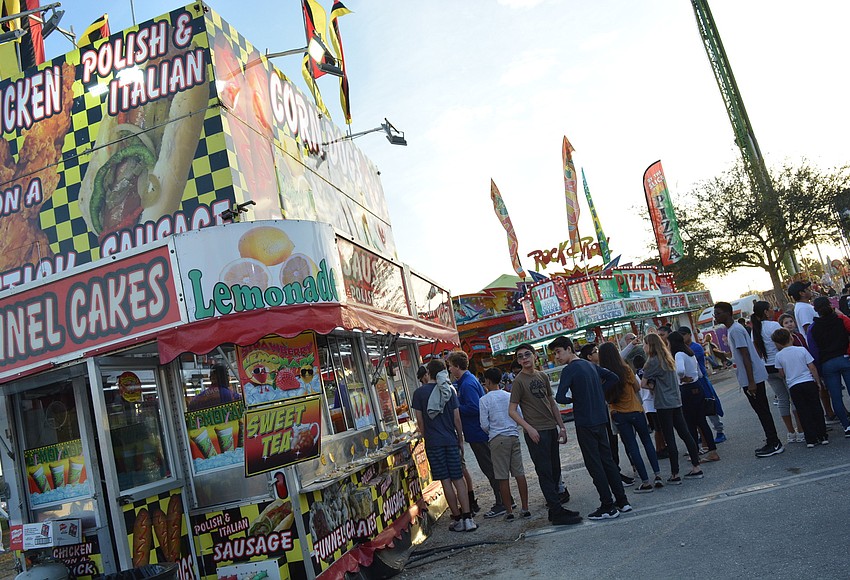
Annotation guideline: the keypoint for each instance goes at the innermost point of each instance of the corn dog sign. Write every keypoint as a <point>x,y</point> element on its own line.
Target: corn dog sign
<point>282,434</point>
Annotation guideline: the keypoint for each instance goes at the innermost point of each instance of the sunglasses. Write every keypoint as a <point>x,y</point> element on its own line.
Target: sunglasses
<point>524,354</point>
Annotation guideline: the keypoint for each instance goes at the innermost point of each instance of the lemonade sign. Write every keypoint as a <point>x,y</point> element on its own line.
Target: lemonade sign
<point>259,265</point>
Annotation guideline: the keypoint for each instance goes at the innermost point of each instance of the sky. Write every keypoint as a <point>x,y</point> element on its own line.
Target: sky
<point>486,89</point>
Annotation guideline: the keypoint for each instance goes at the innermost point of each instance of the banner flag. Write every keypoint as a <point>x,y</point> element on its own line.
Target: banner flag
<point>96,30</point>
<point>31,44</point>
<point>504,218</point>
<point>663,217</point>
<point>314,88</point>
<point>571,192</point>
<point>338,10</point>
<point>597,225</point>
<point>315,24</point>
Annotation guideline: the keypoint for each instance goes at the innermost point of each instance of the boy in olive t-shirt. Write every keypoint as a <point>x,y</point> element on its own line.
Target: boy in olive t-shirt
<point>544,430</point>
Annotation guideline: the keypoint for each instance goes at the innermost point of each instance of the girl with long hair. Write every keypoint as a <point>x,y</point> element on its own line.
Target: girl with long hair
<point>659,376</point>
<point>763,329</point>
<point>627,412</point>
<point>693,397</point>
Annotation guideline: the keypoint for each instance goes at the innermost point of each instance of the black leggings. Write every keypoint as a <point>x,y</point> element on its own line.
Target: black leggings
<point>694,412</point>
<point>673,419</point>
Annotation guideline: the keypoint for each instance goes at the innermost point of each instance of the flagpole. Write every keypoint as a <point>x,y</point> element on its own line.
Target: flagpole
<point>133,12</point>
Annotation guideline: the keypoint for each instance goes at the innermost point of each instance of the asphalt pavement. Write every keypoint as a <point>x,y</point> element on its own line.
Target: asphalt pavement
<point>780,517</point>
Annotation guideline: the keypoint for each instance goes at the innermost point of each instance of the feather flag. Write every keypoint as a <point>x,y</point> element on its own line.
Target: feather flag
<point>338,10</point>
<point>597,225</point>
<point>504,218</point>
<point>315,22</point>
<point>571,192</point>
<point>96,30</point>
<point>663,216</point>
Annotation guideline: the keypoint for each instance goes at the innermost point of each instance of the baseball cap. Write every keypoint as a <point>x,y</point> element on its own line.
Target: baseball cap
<point>796,287</point>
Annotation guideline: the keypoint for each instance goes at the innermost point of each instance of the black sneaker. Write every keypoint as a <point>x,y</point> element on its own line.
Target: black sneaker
<point>770,449</point>
<point>658,482</point>
<point>564,518</point>
<point>627,481</point>
<point>604,513</point>
<point>564,497</point>
<point>623,507</point>
<point>496,511</point>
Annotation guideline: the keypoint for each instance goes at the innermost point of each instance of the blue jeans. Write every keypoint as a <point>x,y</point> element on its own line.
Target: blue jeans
<point>833,371</point>
<point>631,426</point>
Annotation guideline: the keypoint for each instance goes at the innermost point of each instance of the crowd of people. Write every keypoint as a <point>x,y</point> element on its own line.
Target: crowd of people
<point>646,393</point>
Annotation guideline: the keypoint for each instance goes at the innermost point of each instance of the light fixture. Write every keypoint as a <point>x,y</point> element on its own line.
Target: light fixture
<point>47,26</point>
<point>394,136</point>
<point>317,50</point>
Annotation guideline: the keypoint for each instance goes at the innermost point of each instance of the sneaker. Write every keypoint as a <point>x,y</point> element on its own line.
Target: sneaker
<point>564,497</point>
<point>624,507</point>
<point>721,437</point>
<point>627,481</point>
<point>801,437</point>
<point>810,445</point>
<point>603,513</point>
<point>469,525</point>
<point>674,480</point>
<point>824,442</point>
<point>791,438</point>
<point>525,514</point>
<point>847,431</point>
<point>774,449</point>
<point>456,526</point>
<point>831,420</point>
<point>659,483</point>
<point>510,517</point>
<point>496,511</point>
<point>710,456</point>
<point>562,519</point>
<point>694,475</point>
<point>513,505</point>
<point>645,488</point>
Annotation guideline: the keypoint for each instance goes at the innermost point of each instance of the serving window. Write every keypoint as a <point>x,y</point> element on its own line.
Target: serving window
<point>347,398</point>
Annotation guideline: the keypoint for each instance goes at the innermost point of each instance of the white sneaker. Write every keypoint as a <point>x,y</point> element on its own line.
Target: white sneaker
<point>792,438</point>
<point>469,525</point>
<point>457,526</point>
<point>801,438</point>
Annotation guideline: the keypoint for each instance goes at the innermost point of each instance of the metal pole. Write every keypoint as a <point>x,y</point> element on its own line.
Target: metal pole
<point>133,12</point>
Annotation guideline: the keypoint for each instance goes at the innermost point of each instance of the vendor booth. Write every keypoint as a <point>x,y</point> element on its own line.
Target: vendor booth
<point>181,386</point>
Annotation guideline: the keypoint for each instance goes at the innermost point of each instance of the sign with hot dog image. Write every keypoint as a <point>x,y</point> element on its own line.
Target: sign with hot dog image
<point>57,473</point>
<point>281,434</point>
<point>228,541</point>
<point>158,532</point>
<point>277,368</point>
<point>157,130</point>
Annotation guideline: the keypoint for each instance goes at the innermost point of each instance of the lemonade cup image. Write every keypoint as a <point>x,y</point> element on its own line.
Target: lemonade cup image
<point>41,479</point>
<point>204,443</point>
<point>58,473</point>
<point>225,438</point>
<point>75,473</point>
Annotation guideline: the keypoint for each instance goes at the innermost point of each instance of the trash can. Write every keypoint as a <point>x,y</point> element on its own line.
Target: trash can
<point>165,571</point>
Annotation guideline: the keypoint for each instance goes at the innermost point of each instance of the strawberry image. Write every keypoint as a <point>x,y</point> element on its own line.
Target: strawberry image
<point>286,379</point>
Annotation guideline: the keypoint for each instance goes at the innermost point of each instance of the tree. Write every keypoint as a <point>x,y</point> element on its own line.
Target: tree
<point>726,224</point>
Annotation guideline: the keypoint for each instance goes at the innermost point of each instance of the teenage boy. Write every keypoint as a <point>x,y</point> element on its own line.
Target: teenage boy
<point>443,435</point>
<point>469,393</point>
<point>751,374</point>
<point>544,430</point>
<point>804,312</point>
<point>588,383</point>
<point>504,442</point>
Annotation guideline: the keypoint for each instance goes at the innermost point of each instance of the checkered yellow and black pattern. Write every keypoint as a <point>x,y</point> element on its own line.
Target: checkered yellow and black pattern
<point>233,524</point>
<point>210,177</point>
<point>161,502</point>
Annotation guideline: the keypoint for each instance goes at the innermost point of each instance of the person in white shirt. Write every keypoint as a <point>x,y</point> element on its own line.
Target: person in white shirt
<point>797,366</point>
<point>503,434</point>
<point>804,312</point>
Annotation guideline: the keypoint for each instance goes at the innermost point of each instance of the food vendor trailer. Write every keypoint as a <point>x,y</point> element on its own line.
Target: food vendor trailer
<point>176,387</point>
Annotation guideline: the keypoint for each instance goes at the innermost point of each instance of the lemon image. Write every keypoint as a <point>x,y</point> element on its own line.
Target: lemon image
<point>296,268</point>
<point>266,244</point>
<point>246,271</point>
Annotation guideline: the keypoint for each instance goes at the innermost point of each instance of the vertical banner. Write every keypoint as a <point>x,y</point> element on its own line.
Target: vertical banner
<point>597,225</point>
<point>664,224</point>
<point>571,192</point>
<point>338,9</point>
<point>504,218</point>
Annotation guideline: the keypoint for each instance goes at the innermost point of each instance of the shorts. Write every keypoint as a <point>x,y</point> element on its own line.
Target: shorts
<point>444,461</point>
<point>652,420</point>
<point>506,456</point>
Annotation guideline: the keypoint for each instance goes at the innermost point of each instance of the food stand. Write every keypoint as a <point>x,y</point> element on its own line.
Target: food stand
<point>229,397</point>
